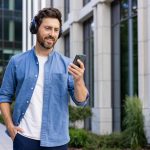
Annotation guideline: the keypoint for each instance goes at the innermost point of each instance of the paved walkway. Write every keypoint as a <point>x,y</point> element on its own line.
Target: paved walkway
<point>5,140</point>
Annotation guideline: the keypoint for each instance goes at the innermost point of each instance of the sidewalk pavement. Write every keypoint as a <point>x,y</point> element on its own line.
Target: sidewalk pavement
<point>5,140</point>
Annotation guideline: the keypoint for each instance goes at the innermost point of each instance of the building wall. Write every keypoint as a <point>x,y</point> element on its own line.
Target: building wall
<point>102,112</point>
<point>100,10</point>
<point>144,59</point>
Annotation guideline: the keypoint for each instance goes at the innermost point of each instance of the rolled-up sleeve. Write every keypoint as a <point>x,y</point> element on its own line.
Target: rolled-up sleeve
<point>71,92</point>
<point>7,89</point>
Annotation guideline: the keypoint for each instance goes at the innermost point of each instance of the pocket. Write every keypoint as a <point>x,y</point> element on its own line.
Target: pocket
<point>15,137</point>
<point>59,84</point>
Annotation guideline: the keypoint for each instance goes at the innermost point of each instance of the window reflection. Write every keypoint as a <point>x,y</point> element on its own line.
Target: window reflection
<point>124,43</point>
<point>124,6</point>
<point>10,31</point>
<point>134,7</point>
<point>124,9</point>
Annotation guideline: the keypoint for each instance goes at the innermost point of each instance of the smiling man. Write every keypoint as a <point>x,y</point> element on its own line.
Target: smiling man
<point>40,79</point>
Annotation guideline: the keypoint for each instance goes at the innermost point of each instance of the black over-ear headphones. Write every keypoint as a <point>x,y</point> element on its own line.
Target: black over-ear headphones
<point>34,28</point>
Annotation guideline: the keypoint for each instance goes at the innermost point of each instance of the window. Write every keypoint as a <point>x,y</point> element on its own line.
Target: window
<point>85,2</point>
<point>124,9</point>
<point>88,41</point>
<point>67,45</point>
<point>18,31</point>
<point>6,29</point>
<point>66,9</point>
<point>52,3</point>
<point>125,42</point>
<point>18,4</point>
<point>7,53</point>
<point>1,26</point>
<point>4,4</point>
<point>124,53</point>
<point>89,65</point>
<point>1,54</point>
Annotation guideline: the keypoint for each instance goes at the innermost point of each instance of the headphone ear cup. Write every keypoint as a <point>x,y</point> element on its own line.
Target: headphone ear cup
<point>33,27</point>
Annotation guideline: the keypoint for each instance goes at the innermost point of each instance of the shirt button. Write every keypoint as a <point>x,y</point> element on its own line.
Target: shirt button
<point>37,63</point>
<point>32,88</point>
<point>27,101</point>
<point>36,75</point>
<point>22,113</point>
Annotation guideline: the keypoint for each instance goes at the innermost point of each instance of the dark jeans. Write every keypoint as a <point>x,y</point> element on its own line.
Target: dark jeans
<point>24,143</point>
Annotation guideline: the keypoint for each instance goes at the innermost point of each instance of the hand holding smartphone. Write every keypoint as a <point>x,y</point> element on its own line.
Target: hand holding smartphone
<point>81,57</point>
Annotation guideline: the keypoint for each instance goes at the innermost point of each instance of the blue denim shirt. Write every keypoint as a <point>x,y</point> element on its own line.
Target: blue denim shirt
<point>20,78</point>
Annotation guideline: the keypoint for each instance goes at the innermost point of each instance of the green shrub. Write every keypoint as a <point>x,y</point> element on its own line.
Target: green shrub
<point>79,113</point>
<point>132,137</point>
<point>114,140</point>
<point>89,141</point>
<point>1,119</point>
<point>78,138</point>
<point>92,142</point>
<point>134,123</point>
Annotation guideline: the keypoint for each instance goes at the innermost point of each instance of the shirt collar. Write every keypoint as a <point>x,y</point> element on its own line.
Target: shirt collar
<point>49,56</point>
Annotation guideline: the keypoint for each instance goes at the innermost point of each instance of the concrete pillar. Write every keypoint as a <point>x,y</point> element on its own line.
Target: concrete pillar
<point>102,111</point>
<point>76,39</point>
<point>60,43</point>
<point>144,60</point>
<point>76,29</point>
<point>24,26</point>
<point>29,39</point>
<point>76,33</point>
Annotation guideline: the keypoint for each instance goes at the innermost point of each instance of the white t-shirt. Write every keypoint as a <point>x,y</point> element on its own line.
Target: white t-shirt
<point>31,122</point>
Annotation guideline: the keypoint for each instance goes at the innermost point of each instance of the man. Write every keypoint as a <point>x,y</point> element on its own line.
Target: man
<point>40,79</point>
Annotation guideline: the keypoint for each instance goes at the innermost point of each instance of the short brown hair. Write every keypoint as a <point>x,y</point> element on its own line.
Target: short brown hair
<point>46,13</point>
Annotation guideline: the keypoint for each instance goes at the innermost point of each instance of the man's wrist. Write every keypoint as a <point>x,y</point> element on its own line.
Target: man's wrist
<point>79,82</point>
<point>9,125</point>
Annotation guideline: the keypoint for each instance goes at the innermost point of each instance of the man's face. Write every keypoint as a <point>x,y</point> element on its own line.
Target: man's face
<point>48,32</point>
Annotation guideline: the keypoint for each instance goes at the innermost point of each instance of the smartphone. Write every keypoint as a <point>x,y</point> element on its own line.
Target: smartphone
<point>81,57</point>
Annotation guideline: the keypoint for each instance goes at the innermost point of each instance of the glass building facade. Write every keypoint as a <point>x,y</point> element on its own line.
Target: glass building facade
<point>125,52</point>
<point>10,31</point>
